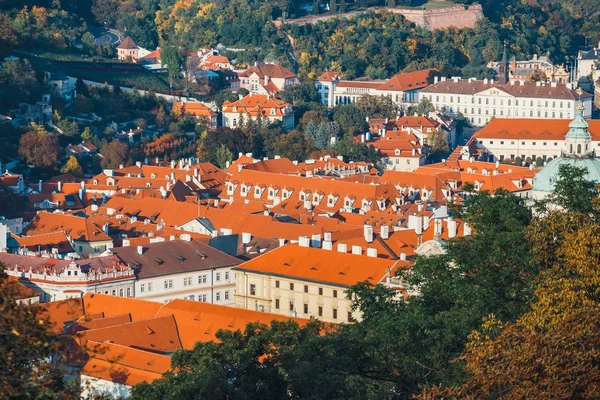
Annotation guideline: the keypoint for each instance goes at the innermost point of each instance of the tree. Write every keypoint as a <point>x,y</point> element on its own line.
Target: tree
<point>72,167</point>
<point>20,80</point>
<point>88,41</point>
<point>377,106</point>
<point>224,157</point>
<point>574,192</point>
<point>69,128</point>
<point>351,119</point>
<point>114,154</point>
<point>172,58</point>
<point>39,147</point>
<point>322,134</point>
<point>26,349</point>
<point>293,145</point>
<point>8,38</point>
<point>424,107</point>
<point>88,136</point>
<point>436,141</point>
<point>342,6</point>
<point>241,365</point>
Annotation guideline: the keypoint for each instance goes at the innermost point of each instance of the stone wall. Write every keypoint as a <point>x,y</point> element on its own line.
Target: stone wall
<point>457,16</point>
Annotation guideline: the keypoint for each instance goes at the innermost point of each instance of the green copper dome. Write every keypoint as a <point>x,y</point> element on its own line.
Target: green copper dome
<point>578,128</point>
<point>546,179</point>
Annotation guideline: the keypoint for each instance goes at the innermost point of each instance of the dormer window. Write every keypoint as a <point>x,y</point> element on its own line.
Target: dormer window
<point>153,176</point>
<point>95,181</point>
<point>331,200</point>
<point>234,109</point>
<point>272,111</point>
<point>397,152</point>
<point>148,185</point>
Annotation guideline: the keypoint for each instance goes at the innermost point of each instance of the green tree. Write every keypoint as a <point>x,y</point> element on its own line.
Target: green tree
<point>88,41</point>
<point>172,58</point>
<point>573,191</point>
<point>351,119</point>
<point>424,107</point>
<point>224,157</point>
<point>88,136</point>
<point>293,145</point>
<point>377,106</point>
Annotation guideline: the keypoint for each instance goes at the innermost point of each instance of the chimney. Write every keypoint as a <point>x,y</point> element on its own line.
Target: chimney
<point>342,248</point>
<point>186,237</point>
<point>414,223</point>
<point>371,252</point>
<point>303,241</point>
<point>281,242</point>
<point>384,232</point>
<point>138,164</point>
<point>173,164</point>
<point>105,228</point>
<point>466,229</point>
<point>437,227</point>
<point>497,164</point>
<point>39,185</point>
<point>246,237</point>
<point>140,250</point>
<point>316,241</point>
<point>156,160</point>
<point>451,228</point>
<point>59,187</point>
<point>357,250</point>
<point>327,245</point>
<point>403,256</point>
<point>146,161</point>
<point>368,233</point>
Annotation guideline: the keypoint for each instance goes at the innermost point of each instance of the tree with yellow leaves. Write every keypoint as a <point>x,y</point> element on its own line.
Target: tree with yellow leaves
<point>72,167</point>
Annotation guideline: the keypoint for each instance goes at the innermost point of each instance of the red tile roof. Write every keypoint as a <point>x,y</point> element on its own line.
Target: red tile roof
<point>127,44</point>
<point>270,70</point>
<point>318,265</point>
<point>78,228</point>
<point>532,129</point>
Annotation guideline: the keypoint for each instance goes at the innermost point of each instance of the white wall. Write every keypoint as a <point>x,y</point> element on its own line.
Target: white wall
<point>92,387</point>
<point>185,285</point>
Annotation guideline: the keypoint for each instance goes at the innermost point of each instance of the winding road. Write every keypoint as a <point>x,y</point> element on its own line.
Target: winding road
<point>105,37</point>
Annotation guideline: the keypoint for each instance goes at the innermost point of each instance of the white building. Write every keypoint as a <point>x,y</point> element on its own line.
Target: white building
<point>258,106</point>
<point>267,79</point>
<point>181,269</point>
<point>58,279</point>
<point>482,100</point>
<point>402,88</point>
<point>509,139</point>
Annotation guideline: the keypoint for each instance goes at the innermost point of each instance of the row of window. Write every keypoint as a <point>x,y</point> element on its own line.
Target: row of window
<point>187,281</point>
<point>334,292</point>
<point>524,114</point>
<point>122,292</point>
<point>545,103</point>
<point>305,309</point>
<point>203,297</point>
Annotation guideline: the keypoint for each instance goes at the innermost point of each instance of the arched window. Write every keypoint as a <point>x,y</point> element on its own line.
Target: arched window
<point>579,149</point>
<point>571,148</point>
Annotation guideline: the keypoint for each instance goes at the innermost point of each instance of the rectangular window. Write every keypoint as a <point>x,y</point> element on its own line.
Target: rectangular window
<point>187,281</point>
<point>277,284</point>
<point>305,288</point>
<point>320,291</point>
<point>291,286</point>
<point>320,311</point>
<point>149,286</point>
<point>202,298</point>
<point>142,287</point>
<point>349,316</point>
<point>335,293</point>
<point>121,292</point>
<point>202,279</point>
<point>291,306</point>
<point>218,296</point>
<point>335,313</point>
<point>128,292</point>
<point>169,284</point>
<point>227,295</point>
<point>277,304</point>
<point>226,276</point>
<point>218,276</point>
<point>305,308</point>
<point>252,290</point>
<point>114,292</point>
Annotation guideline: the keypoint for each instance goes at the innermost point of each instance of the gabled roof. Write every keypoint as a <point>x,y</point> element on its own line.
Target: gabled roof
<point>532,129</point>
<point>78,228</point>
<point>164,258</point>
<point>255,104</point>
<point>409,81</point>
<point>127,44</point>
<point>194,108</point>
<point>328,76</point>
<point>270,70</point>
<point>45,241</point>
<point>324,266</point>
<point>125,365</point>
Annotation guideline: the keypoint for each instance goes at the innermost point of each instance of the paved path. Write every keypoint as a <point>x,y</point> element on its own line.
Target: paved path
<point>105,37</point>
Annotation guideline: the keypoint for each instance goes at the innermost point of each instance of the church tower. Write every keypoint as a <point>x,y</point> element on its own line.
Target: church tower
<point>578,138</point>
<point>503,69</point>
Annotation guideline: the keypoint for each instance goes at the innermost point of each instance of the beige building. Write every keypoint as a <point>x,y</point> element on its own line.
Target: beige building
<point>258,106</point>
<point>303,281</point>
<point>268,79</point>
